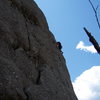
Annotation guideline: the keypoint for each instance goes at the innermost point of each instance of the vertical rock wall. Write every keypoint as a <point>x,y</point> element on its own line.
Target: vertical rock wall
<point>31,66</point>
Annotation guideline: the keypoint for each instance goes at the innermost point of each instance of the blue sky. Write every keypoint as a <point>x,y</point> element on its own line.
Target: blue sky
<point>66,19</point>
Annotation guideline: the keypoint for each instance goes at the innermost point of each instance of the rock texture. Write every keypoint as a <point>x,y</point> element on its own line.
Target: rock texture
<point>31,66</point>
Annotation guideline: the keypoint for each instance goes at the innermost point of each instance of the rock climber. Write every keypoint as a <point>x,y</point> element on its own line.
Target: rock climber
<point>59,46</point>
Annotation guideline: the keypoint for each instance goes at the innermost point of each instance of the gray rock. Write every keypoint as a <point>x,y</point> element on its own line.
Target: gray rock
<point>31,66</point>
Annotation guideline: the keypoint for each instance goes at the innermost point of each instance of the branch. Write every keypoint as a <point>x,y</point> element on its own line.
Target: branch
<point>97,7</point>
<point>92,40</point>
<point>95,11</point>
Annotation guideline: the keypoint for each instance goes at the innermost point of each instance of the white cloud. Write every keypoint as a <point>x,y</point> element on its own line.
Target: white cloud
<point>87,85</point>
<point>82,46</point>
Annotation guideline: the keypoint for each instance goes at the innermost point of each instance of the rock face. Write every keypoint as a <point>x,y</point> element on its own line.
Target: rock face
<point>31,66</point>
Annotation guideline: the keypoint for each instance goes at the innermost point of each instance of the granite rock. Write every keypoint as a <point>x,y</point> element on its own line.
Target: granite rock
<point>31,66</point>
